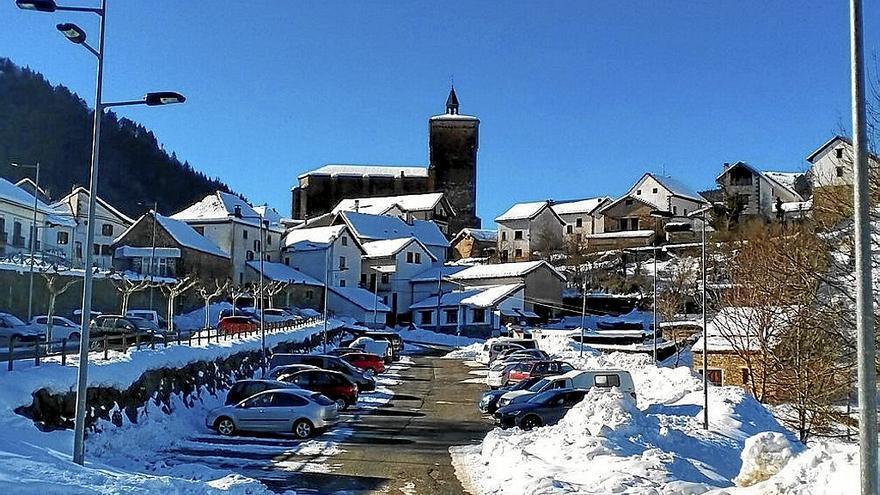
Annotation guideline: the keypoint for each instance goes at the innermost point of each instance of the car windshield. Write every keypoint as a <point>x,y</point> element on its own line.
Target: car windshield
<point>12,320</point>
<point>539,385</point>
<point>543,397</point>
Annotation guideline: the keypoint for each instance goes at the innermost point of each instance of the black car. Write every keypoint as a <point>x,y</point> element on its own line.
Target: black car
<point>333,363</point>
<point>243,389</point>
<point>123,330</point>
<point>546,408</point>
<point>489,401</point>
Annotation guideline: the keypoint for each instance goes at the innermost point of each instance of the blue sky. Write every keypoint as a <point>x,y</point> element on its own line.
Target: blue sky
<point>576,99</point>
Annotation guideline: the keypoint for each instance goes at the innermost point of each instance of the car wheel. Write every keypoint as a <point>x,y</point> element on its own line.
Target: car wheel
<point>224,426</point>
<point>341,404</point>
<point>303,428</point>
<point>530,422</point>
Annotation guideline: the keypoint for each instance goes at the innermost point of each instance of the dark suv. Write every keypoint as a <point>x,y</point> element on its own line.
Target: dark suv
<point>332,363</point>
<point>115,327</point>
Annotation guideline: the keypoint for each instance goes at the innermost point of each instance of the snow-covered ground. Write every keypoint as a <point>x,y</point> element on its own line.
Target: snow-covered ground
<point>150,456</point>
<point>656,445</point>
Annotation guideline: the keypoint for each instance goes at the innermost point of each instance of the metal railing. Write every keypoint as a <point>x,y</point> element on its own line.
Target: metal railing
<point>101,345</point>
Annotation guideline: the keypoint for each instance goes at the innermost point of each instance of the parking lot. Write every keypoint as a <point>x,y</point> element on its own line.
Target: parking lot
<point>399,446</point>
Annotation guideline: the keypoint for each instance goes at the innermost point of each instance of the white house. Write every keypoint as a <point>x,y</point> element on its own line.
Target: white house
<point>389,266</point>
<point>581,217</point>
<point>380,227</point>
<point>667,193</point>
<point>308,250</point>
<point>235,226</point>
<point>832,163</point>
<point>54,230</point>
<point>758,191</point>
<point>471,310</point>
<point>528,227</point>
<point>360,304</point>
<point>429,206</point>
<point>110,223</point>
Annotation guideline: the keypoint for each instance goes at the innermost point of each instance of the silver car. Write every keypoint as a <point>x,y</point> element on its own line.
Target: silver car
<point>279,410</point>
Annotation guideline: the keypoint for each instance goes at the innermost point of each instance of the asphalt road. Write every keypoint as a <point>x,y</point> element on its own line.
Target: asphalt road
<point>400,447</point>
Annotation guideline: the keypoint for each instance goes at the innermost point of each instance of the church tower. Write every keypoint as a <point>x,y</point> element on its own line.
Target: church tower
<point>453,140</point>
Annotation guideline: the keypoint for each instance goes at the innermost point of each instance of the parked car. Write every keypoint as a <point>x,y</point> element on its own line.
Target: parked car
<point>536,354</point>
<point>274,315</point>
<point>62,328</point>
<point>277,410</point>
<point>378,347</point>
<point>333,363</point>
<point>341,351</point>
<point>370,363</point>
<point>495,346</point>
<point>148,314</point>
<point>11,326</point>
<point>500,371</point>
<point>576,379</point>
<point>288,369</point>
<point>391,337</point>
<point>243,389</point>
<point>546,408</point>
<point>231,325</point>
<point>114,326</point>
<point>77,315</point>
<point>539,369</point>
<point>238,312</point>
<point>489,401</point>
<point>333,384</point>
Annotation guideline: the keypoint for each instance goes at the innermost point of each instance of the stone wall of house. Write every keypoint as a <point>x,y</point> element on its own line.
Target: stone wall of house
<point>734,371</point>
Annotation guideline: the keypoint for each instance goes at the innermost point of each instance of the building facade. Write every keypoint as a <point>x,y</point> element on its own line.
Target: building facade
<point>526,228</point>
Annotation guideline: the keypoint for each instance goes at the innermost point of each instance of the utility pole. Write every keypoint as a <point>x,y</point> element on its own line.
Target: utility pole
<point>705,332</point>
<point>439,295</point>
<point>583,317</point>
<point>864,296</point>
<point>654,304</point>
<point>153,252</point>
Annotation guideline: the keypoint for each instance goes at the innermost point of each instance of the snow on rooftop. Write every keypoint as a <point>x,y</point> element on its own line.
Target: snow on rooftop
<point>579,206</point>
<point>378,227</point>
<point>222,206</point>
<point>482,235</point>
<point>678,188</point>
<point>381,205</point>
<point>187,236</point>
<point>522,211</point>
<point>282,273</point>
<point>431,274</point>
<point>317,237</point>
<point>449,116</point>
<point>362,298</point>
<point>744,328</point>
<point>335,170</point>
<point>500,270</point>
<point>386,247</point>
<point>477,297</point>
<point>14,194</point>
<point>785,179</point>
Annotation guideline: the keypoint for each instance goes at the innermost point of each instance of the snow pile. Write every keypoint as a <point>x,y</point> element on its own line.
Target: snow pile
<point>195,319</point>
<point>467,353</point>
<point>419,335</point>
<point>827,468</point>
<point>763,456</point>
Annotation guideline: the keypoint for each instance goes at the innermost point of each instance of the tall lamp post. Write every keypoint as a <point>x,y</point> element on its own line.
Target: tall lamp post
<point>33,239</point>
<point>701,214</point>
<point>76,35</point>
<point>329,268</point>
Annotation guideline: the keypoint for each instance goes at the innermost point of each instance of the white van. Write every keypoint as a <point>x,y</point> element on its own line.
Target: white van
<point>579,379</point>
<point>496,345</point>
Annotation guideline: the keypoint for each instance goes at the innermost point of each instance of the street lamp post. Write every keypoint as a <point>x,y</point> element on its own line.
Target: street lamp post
<point>654,304</point>
<point>76,35</point>
<point>33,240</point>
<point>327,259</point>
<point>583,317</point>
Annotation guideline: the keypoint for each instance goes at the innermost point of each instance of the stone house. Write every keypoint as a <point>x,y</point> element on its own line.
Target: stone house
<point>627,223</point>
<point>235,226</point>
<point>429,206</point>
<point>180,250</point>
<point>526,228</point>
<point>758,192</point>
<point>581,218</point>
<point>473,243</point>
<point>110,223</point>
<point>54,231</point>
<point>471,311</point>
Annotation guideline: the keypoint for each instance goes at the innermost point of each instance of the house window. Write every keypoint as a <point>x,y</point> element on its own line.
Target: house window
<point>578,238</point>
<point>568,229</point>
<point>745,376</point>
<point>654,190</point>
<point>518,234</point>
<point>839,153</point>
<point>479,315</point>
<point>96,249</point>
<point>418,258</point>
<point>105,250</point>
<point>639,192</point>
<point>503,235</point>
<point>675,210</point>
<point>78,249</point>
<point>342,263</point>
<point>517,253</point>
<point>629,224</point>
<point>342,282</point>
<point>200,230</point>
<point>310,293</point>
<point>244,234</point>
<point>579,222</point>
<point>425,317</point>
<point>63,238</point>
<point>107,229</point>
<point>385,278</point>
<point>409,257</point>
<point>268,240</point>
<point>344,240</point>
<point>685,211</point>
<point>257,245</point>
<point>249,256</point>
<point>452,316</point>
<point>363,279</point>
<point>628,202</point>
<point>839,171</point>
<point>287,260</point>
<point>17,239</point>
<point>715,376</point>
<point>504,256</point>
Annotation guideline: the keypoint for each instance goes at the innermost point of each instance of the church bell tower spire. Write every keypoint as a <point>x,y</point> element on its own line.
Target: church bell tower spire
<point>452,102</point>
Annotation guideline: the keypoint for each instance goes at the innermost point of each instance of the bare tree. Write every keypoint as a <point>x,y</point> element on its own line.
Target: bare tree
<point>546,243</point>
<point>676,287</point>
<point>127,287</point>
<point>210,291</point>
<point>172,291</point>
<point>270,290</point>
<point>55,286</point>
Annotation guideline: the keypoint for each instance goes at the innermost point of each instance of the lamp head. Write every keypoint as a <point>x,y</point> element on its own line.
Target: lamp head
<point>163,98</point>
<point>72,32</point>
<point>38,5</point>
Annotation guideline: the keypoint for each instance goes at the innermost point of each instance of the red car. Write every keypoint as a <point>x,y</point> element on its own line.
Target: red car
<point>370,363</point>
<point>231,325</point>
<point>538,369</point>
<point>332,384</point>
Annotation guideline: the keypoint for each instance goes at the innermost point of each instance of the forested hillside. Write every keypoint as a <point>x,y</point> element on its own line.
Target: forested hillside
<point>39,122</point>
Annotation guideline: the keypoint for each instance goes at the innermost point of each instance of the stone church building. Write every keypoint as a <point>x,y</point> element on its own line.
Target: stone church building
<point>453,141</point>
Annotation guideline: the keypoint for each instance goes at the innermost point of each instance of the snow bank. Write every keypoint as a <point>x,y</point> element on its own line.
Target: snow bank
<point>195,319</point>
<point>467,353</point>
<point>419,335</point>
<point>763,456</point>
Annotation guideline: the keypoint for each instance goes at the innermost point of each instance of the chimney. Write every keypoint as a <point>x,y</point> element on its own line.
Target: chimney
<point>357,205</point>
<point>726,165</point>
<point>236,212</point>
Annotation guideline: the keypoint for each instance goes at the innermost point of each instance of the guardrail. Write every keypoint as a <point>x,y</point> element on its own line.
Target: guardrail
<point>37,350</point>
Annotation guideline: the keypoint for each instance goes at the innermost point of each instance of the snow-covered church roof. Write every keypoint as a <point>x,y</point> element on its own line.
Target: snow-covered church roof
<point>336,170</point>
